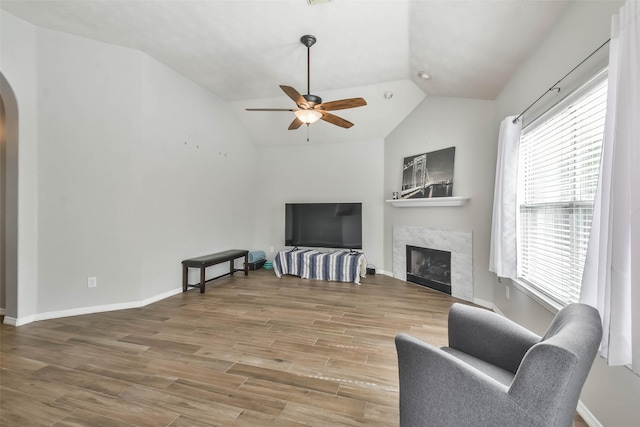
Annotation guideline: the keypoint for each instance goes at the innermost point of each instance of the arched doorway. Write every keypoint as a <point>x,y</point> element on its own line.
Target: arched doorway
<point>8,200</point>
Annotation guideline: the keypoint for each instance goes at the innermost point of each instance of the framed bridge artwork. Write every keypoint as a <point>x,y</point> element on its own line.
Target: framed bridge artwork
<point>428,175</point>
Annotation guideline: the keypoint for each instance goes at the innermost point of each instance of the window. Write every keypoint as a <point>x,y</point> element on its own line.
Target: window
<point>558,174</point>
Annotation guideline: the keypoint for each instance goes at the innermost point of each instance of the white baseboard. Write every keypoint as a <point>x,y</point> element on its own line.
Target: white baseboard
<point>587,416</point>
<point>9,321</point>
<point>160,297</point>
<point>89,310</point>
<point>14,321</point>
<point>483,303</point>
<point>3,311</point>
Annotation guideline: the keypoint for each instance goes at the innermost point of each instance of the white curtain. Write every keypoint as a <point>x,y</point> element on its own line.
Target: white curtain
<point>611,280</point>
<point>502,255</point>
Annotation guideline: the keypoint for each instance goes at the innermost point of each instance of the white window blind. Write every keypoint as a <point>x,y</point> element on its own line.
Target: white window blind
<point>558,173</point>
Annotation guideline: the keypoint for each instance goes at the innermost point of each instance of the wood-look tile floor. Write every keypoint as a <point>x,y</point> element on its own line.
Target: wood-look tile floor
<point>251,351</point>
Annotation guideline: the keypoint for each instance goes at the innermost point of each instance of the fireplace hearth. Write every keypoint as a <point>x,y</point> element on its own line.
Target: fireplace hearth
<point>429,267</point>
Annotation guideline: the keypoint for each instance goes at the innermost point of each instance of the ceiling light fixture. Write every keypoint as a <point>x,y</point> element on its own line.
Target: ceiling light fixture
<point>424,75</point>
<point>308,116</point>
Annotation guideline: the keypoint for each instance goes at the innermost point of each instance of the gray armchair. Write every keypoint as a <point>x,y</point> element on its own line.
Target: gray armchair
<point>497,373</point>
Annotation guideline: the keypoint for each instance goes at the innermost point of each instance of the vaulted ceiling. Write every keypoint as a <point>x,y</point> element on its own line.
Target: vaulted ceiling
<point>242,50</point>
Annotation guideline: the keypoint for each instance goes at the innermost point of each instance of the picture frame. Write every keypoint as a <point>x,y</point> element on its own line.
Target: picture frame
<point>428,175</point>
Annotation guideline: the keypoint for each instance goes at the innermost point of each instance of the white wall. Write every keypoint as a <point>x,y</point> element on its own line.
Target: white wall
<point>196,169</point>
<point>89,133</point>
<point>105,171</point>
<point>610,394</point>
<point>345,172</point>
<point>438,123</point>
<point>18,63</point>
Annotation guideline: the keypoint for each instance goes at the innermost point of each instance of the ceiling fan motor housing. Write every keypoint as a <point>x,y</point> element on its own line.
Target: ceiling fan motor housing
<point>312,99</point>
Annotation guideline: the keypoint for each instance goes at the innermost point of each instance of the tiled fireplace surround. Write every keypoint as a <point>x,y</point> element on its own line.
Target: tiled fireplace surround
<point>459,243</point>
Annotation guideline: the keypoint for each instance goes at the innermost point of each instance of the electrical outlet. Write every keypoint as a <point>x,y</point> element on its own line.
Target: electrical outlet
<point>92,282</point>
<point>271,249</point>
<point>506,291</point>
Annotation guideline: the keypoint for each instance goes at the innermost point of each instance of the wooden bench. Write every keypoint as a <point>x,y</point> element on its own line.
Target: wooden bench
<point>208,260</point>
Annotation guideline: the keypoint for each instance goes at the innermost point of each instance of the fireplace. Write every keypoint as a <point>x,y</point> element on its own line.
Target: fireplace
<point>429,267</point>
<point>458,242</point>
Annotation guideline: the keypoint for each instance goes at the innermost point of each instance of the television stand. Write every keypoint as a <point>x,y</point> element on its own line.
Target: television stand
<point>340,266</point>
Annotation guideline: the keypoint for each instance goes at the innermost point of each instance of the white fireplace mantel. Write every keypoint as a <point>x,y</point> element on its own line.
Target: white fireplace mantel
<point>428,202</point>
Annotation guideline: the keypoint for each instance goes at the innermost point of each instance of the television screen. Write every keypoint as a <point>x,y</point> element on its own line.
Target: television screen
<point>324,225</point>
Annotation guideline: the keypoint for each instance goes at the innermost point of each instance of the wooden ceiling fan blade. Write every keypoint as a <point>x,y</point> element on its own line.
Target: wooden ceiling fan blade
<point>342,104</point>
<point>270,109</point>
<point>295,124</point>
<point>335,120</point>
<point>294,95</point>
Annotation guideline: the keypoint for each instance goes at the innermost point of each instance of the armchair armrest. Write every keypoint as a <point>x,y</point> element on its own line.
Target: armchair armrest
<point>437,389</point>
<point>489,336</point>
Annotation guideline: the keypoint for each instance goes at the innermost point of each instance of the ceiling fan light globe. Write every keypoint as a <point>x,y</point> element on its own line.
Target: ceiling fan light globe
<point>308,116</point>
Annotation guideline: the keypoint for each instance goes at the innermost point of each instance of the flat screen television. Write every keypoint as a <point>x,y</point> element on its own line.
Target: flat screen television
<point>323,225</point>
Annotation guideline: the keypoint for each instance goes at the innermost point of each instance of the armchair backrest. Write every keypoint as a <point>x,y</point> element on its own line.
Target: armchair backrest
<point>553,371</point>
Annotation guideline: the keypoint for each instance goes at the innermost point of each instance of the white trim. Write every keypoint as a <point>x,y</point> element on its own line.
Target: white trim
<point>19,321</point>
<point>497,310</point>
<point>11,321</point>
<point>483,303</point>
<point>89,310</point>
<point>550,304</point>
<point>86,310</point>
<point>160,297</point>
<point>3,311</point>
<point>587,416</point>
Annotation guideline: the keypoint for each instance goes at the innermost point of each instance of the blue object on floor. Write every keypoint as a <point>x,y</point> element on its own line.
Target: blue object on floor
<point>257,256</point>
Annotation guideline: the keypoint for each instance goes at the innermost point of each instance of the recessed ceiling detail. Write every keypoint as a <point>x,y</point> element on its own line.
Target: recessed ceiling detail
<point>214,44</point>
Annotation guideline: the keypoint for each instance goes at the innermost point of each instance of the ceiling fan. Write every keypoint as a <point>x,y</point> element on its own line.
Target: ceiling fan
<point>310,107</point>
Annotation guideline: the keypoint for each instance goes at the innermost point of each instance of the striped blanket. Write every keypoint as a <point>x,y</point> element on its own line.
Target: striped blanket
<point>310,264</point>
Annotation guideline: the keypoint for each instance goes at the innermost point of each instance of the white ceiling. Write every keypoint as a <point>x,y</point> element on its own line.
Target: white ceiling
<point>242,50</point>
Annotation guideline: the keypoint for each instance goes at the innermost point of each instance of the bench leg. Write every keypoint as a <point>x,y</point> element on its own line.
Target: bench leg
<point>202,279</point>
<point>246,265</point>
<point>185,275</point>
<point>232,267</point>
